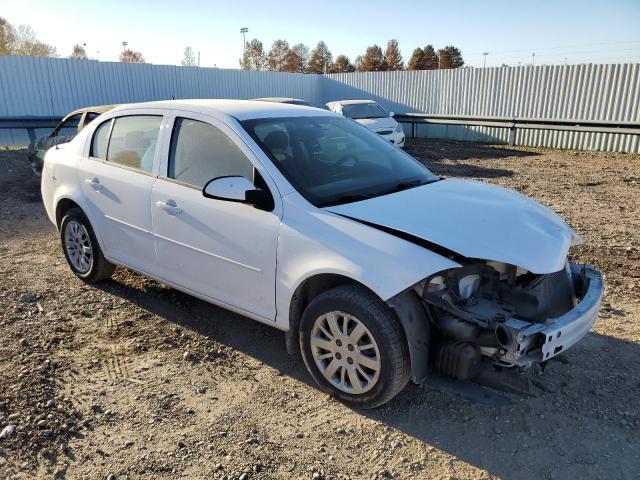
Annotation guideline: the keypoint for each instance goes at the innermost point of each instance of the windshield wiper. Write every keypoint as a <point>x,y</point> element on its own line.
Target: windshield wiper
<point>404,186</point>
<point>355,197</point>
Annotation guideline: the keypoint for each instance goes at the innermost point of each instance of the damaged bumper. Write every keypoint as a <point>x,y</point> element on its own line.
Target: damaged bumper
<point>524,343</point>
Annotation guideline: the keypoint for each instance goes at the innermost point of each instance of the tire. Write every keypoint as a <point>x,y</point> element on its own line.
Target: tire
<point>76,234</point>
<point>384,341</point>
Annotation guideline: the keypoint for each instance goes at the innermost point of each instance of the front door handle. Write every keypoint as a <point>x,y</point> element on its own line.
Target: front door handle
<point>169,206</point>
<point>95,183</point>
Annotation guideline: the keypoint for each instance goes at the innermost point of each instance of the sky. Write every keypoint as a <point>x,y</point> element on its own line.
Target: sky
<point>557,32</point>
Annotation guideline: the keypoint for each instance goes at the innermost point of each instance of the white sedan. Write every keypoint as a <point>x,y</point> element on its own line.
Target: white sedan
<point>371,115</point>
<point>378,271</point>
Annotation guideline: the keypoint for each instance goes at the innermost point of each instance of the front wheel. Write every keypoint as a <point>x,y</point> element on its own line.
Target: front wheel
<point>354,347</point>
<point>81,248</point>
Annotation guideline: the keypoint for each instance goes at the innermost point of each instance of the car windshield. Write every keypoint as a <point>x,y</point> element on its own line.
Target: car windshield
<point>333,160</point>
<point>364,110</point>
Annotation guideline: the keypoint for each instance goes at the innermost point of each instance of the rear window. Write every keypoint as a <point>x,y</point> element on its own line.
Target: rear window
<point>69,126</point>
<point>129,141</point>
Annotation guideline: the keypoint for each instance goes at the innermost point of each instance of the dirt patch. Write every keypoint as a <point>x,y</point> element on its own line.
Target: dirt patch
<point>135,380</point>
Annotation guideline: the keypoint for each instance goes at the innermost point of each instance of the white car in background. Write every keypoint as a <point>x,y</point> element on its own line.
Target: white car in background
<point>371,115</point>
<point>377,270</point>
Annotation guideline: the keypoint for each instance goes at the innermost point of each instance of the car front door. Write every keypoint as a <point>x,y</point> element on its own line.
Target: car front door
<point>116,178</point>
<point>220,249</point>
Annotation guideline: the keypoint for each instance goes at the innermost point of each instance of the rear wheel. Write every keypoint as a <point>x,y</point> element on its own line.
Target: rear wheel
<point>81,248</point>
<point>354,347</point>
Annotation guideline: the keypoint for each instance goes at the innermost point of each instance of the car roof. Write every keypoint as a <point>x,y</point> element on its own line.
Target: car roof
<point>239,109</point>
<point>278,99</point>
<point>350,102</point>
<point>96,109</point>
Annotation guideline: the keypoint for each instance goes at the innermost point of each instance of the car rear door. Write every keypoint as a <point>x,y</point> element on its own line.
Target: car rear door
<point>116,178</point>
<point>223,250</point>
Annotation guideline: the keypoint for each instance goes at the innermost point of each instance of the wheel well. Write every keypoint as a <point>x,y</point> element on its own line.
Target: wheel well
<point>304,294</point>
<point>406,306</point>
<point>62,207</point>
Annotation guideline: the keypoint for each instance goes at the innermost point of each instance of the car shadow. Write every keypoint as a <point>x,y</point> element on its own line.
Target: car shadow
<point>561,419</point>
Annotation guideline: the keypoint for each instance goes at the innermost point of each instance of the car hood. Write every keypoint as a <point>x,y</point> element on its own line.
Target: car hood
<point>376,124</point>
<point>473,219</point>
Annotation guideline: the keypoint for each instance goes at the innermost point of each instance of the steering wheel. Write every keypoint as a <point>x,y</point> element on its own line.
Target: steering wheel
<point>343,159</point>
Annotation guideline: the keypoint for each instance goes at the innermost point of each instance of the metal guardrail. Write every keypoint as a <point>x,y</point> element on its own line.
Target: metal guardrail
<point>29,124</point>
<point>513,124</point>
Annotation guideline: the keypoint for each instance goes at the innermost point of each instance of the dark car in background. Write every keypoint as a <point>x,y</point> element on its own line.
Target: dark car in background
<point>63,133</point>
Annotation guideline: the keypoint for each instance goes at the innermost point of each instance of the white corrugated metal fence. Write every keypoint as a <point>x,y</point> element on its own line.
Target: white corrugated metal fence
<point>54,87</point>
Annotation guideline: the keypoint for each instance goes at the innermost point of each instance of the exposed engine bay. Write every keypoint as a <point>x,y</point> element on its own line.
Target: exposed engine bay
<point>503,314</point>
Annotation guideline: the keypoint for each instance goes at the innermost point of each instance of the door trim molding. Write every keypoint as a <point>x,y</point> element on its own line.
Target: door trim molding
<point>204,252</point>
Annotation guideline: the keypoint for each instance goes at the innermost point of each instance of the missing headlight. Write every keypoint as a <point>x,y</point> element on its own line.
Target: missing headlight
<point>468,286</point>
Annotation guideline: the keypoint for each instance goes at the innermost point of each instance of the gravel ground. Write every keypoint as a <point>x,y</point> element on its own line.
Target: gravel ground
<point>129,379</point>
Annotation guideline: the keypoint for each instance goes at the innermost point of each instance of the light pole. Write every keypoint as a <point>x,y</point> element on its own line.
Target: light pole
<point>484,61</point>
<point>243,31</point>
<point>124,46</point>
<point>533,59</point>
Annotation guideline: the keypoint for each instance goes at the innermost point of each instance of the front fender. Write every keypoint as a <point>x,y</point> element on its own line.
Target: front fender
<point>313,242</point>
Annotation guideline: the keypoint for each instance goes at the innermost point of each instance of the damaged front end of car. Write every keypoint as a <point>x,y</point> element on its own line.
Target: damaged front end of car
<point>488,311</point>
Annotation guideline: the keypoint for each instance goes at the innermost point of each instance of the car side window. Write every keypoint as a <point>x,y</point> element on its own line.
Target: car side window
<point>69,126</point>
<point>200,152</point>
<point>132,142</point>
<point>100,141</point>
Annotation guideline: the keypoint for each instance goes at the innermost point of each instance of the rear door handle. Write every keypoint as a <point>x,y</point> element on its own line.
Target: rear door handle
<point>95,183</point>
<point>169,206</point>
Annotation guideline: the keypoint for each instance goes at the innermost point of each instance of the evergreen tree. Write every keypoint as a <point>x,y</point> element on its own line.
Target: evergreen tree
<point>297,59</point>
<point>450,57</point>
<point>417,60</point>
<point>430,58</point>
<point>321,59</point>
<point>342,65</point>
<point>373,60</point>
<point>392,56</point>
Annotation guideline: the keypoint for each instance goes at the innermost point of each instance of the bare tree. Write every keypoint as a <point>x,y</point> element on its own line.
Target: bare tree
<point>22,41</point>
<point>253,57</point>
<point>342,65</point>
<point>7,37</point>
<point>278,55</point>
<point>130,56</point>
<point>321,59</point>
<point>78,52</point>
<point>358,63</point>
<point>392,56</point>
<point>189,59</point>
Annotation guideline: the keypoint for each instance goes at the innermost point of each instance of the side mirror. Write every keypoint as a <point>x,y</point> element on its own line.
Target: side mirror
<point>391,114</point>
<point>238,189</point>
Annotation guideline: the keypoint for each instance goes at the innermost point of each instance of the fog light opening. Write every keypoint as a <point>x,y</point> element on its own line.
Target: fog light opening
<point>503,337</point>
